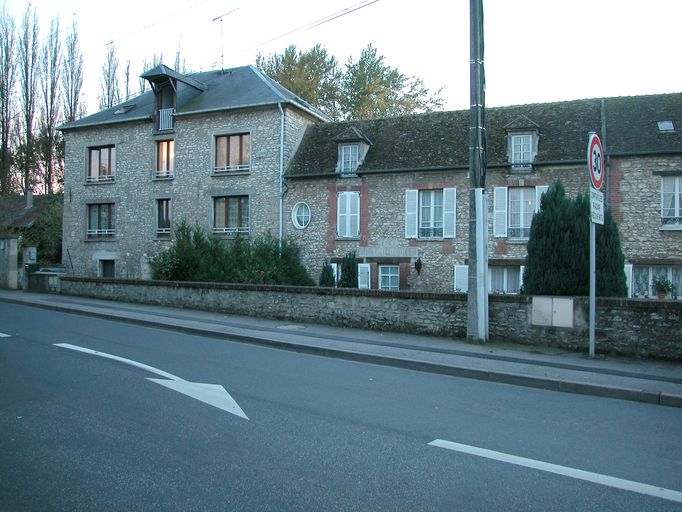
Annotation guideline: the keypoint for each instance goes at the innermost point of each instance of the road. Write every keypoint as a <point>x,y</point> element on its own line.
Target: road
<point>92,431</point>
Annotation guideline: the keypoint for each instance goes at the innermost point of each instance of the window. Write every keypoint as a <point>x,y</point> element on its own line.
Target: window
<point>163,218</point>
<point>671,201</point>
<point>505,279</point>
<point>666,126</point>
<point>513,210</point>
<point>348,215</point>
<point>101,220</point>
<point>232,153</point>
<point>231,214</point>
<point>430,213</point>
<point>165,158</point>
<point>107,268</point>
<point>645,278</point>
<point>101,164</point>
<point>300,215</point>
<point>521,151</point>
<point>389,277</point>
<point>349,158</point>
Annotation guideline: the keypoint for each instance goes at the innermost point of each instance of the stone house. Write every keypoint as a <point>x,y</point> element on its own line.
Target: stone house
<point>208,147</point>
<point>395,190</point>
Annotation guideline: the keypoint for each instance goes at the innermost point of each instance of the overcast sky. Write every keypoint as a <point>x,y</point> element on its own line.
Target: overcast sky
<point>535,50</point>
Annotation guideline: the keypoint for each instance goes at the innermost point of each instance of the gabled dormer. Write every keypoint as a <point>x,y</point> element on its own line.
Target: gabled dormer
<point>522,143</point>
<point>352,148</point>
<point>164,83</point>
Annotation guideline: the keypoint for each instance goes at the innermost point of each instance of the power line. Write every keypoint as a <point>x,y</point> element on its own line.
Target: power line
<point>317,23</point>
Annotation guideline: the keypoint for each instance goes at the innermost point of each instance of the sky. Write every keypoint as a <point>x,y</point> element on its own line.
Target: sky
<point>535,50</point>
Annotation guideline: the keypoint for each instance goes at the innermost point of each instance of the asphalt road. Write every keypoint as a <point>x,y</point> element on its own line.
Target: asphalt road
<point>79,431</point>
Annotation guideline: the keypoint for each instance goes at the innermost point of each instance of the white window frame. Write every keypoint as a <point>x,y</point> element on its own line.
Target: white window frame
<point>98,177</point>
<point>521,150</point>
<point>505,278</point>
<point>501,210</point>
<point>300,221</point>
<point>413,213</point>
<point>230,169</point>
<point>348,214</point>
<point>391,273</point>
<point>461,278</point>
<point>165,231</point>
<point>169,172</point>
<point>671,217</point>
<point>349,158</point>
<point>226,230</point>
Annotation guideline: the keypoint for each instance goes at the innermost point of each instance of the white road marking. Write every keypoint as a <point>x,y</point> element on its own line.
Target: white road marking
<point>3,335</point>
<point>627,485</point>
<point>212,394</point>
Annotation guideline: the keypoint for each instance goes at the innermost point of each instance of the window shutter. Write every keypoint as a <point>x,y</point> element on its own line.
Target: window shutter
<point>342,215</point>
<point>354,214</point>
<point>522,268</point>
<point>500,212</point>
<point>411,204</point>
<point>538,194</point>
<point>364,277</point>
<point>462,278</point>
<point>628,278</point>
<point>449,212</point>
<point>336,270</point>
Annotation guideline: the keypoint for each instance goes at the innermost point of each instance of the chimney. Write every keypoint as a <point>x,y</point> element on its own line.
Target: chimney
<point>29,199</point>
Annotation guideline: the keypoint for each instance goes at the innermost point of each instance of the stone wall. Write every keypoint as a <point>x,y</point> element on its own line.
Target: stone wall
<point>630,327</point>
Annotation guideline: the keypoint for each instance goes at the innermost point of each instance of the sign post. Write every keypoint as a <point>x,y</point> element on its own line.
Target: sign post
<point>595,164</point>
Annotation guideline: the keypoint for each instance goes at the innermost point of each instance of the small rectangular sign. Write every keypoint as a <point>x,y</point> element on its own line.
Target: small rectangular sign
<point>597,206</point>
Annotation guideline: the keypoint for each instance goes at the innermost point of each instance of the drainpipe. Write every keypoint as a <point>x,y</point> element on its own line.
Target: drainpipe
<point>281,172</point>
<point>607,157</point>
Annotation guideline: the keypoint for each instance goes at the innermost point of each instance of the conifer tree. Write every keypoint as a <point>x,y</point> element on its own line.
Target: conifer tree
<point>558,258</point>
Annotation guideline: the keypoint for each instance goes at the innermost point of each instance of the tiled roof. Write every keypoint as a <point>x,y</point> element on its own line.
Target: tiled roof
<point>15,215</point>
<point>441,139</point>
<point>224,90</point>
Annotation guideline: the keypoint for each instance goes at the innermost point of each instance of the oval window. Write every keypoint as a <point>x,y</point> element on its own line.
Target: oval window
<point>300,215</point>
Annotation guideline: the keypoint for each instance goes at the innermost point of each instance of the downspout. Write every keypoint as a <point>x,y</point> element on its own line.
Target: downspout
<point>607,157</point>
<point>281,173</point>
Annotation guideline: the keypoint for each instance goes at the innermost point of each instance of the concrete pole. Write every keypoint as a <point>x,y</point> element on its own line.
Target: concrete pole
<point>477,304</point>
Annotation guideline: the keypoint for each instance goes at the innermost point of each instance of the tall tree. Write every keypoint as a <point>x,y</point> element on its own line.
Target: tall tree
<point>51,70</point>
<point>372,89</point>
<point>314,75</point>
<point>72,76</point>
<point>8,62</point>
<point>558,249</point>
<point>364,89</point>
<point>126,82</point>
<point>29,70</point>
<point>110,90</point>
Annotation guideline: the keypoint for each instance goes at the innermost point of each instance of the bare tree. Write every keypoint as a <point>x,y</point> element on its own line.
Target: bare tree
<point>51,70</point>
<point>126,80</point>
<point>110,91</point>
<point>28,82</point>
<point>72,77</point>
<point>8,62</point>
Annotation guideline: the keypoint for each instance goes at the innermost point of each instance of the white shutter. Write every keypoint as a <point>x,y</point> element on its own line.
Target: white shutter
<point>411,205</point>
<point>500,212</point>
<point>462,278</point>
<point>628,278</point>
<point>336,269</point>
<point>449,212</point>
<point>354,214</point>
<point>364,277</point>
<point>342,215</point>
<point>538,194</point>
<point>522,268</point>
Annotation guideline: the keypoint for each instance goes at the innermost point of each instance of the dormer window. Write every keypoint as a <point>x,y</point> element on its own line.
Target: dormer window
<point>521,151</point>
<point>348,158</point>
<point>522,143</point>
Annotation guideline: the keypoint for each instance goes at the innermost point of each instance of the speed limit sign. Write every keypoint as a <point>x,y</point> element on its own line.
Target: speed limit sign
<point>595,161</point>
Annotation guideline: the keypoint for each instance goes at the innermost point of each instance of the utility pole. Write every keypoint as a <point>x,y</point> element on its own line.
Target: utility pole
<point>477,295</point>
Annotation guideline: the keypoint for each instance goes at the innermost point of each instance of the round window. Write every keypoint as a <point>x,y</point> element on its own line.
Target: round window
<point>300,215</point>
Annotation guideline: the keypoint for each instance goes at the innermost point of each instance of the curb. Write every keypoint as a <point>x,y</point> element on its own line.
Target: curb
<point>500,377</point>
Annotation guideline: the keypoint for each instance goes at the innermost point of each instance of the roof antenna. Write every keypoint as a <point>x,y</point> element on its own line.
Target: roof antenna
<point>222,65</point>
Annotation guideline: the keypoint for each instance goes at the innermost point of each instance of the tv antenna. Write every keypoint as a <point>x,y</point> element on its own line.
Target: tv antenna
<point>222,65</point>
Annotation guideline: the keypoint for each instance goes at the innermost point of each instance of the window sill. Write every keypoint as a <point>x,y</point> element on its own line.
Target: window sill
<point>163,178</point>
<point>92,240</point>
<point>99,182</point>
<point>517,241</point>
<point>671,227</point>
<point>348,238</point>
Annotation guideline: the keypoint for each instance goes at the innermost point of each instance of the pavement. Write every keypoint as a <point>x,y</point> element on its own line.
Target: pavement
<point>640,380</point>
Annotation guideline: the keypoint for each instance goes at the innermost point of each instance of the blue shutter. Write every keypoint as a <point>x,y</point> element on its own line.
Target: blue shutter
<point>449,212</point>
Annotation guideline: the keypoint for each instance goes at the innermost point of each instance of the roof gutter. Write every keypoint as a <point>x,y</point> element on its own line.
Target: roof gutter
<point>65,128</point>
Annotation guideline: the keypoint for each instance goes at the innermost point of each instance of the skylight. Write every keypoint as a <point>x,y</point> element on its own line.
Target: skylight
<point>124,109</point>
<point>666,126</point>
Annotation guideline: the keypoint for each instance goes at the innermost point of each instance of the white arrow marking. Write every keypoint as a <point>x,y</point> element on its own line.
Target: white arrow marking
<point>211,394</point>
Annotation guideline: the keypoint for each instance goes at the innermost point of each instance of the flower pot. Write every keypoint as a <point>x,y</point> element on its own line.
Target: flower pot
<point>661,295</point>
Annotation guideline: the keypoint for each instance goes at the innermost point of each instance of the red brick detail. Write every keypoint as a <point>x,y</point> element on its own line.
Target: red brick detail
<point>448,246</point>
<point>433,185</point>
<point>403,274</point>
<point>364,216</point>
<point>374,276</point>
<point>614,191</point>
<point>500,247</point>
<point>331,220</point>
<point>413,242</point>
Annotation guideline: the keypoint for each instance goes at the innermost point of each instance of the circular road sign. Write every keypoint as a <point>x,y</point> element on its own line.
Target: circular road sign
<point>595,161</point>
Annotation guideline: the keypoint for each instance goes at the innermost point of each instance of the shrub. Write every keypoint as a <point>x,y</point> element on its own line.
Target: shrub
<point>327,276</point>
<point>349,271</point>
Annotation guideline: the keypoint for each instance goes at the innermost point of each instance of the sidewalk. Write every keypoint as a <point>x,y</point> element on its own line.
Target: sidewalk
<point>639,380</point>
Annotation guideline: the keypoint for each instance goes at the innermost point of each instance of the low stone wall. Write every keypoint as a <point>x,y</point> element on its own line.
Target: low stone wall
<point>642,328</point>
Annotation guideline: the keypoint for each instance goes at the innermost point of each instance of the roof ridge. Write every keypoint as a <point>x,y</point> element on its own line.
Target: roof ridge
<point>267,80</point>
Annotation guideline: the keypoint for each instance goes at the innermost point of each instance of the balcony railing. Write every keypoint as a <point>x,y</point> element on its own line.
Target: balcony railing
<point>166,118</point>
<point>101,233</point>
<point>231,231</point>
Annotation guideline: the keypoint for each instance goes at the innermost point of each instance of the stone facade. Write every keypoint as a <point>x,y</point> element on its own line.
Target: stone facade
<point>135,189</point>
